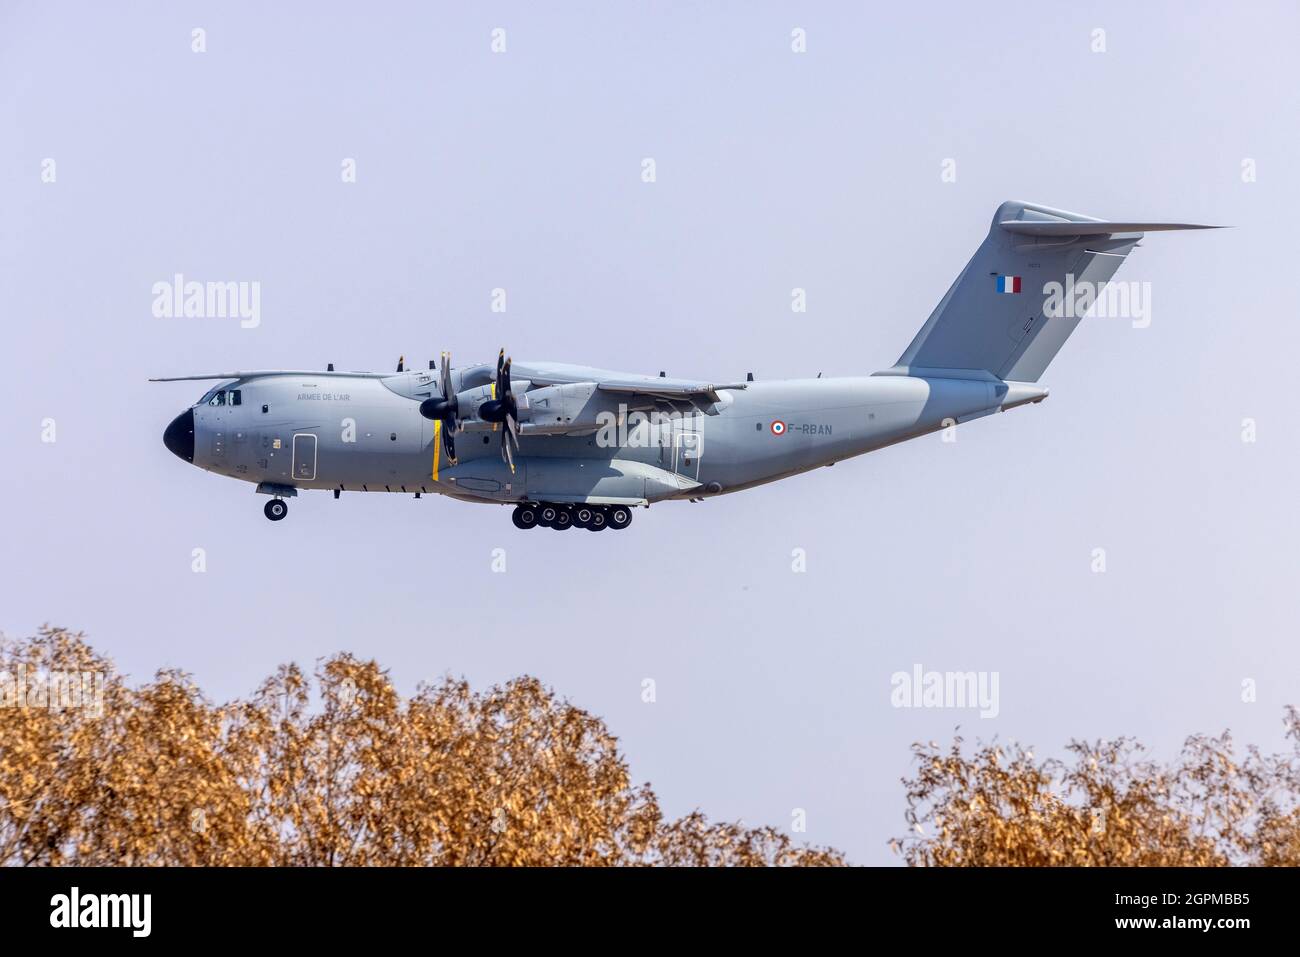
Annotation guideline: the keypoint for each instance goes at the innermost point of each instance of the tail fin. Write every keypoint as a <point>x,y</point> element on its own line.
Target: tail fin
<point>992,318</point>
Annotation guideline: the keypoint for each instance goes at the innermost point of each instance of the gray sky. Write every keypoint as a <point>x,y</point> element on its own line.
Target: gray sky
<point>775,170</point>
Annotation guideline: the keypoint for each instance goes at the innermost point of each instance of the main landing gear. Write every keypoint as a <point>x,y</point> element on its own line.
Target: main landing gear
<point>594,518</point>
<point>276,509</point>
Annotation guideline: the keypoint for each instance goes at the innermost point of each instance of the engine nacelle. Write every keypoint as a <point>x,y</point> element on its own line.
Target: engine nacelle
<point>470,401</point>
<point>570,407</point>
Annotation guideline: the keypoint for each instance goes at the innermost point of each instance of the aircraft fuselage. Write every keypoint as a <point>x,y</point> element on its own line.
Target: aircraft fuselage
<point>352,433</point>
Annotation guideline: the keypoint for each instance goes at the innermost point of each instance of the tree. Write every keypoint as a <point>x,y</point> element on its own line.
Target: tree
<point>1107,806</point>
<point>353,776</point>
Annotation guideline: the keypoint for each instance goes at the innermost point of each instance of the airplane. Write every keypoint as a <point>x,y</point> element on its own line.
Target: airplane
<point>570,446</point>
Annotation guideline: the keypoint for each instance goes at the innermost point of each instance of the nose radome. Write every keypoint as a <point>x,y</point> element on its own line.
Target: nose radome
<point>179,436</point>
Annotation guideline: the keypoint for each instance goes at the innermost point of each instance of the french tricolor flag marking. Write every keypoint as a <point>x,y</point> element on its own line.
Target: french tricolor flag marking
<point>1008,284</point>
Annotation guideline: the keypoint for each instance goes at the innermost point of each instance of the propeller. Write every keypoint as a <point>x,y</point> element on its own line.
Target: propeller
<point>445,409</point>
<point>503,410</point>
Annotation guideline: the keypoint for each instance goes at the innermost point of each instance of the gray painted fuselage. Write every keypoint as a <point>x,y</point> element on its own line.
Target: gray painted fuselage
<point>368,435</point>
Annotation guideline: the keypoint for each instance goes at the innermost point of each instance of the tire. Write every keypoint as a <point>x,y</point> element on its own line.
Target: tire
<point>563,520</point>
<point>582,516</point>
<point>524,516</point>
<point>275,510</point>
<point>598,520</point>
<point>546,515</point>
<point>620,516</point>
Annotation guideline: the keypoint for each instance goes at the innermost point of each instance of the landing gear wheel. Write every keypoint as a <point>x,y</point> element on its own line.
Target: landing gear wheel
<point>563,519</point>
<point>546,517</point>
<point>620,516</point>
<point>525,516</point>
<point>598,520</point>
<point>276,509</point>
<point>582,516</point>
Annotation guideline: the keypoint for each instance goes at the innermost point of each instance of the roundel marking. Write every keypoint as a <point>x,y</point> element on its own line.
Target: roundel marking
<point>778,427</point>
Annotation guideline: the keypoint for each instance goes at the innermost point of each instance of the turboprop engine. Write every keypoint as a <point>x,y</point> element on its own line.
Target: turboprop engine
<point>569,407</point>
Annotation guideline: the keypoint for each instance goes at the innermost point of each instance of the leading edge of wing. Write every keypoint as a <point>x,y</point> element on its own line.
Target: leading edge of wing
<point>260,373</point>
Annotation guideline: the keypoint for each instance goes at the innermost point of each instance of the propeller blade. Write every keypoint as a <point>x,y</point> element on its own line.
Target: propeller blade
<point>512,421</point>
<point>498,404</point>
<point>449,442</point>
<point>511,407</point>
<point>444,377</point>
<point>506,453</point>
<point>506,411</point>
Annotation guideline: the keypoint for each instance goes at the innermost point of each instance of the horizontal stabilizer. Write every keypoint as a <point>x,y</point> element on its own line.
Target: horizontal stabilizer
<point>1030,228</point>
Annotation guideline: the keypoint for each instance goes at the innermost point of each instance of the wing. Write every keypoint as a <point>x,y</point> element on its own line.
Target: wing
<point>658,388</point>
<point>624,383</point>
<point>258,373</point>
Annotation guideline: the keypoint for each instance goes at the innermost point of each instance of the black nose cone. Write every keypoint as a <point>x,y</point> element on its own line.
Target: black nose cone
<point>179,437</point>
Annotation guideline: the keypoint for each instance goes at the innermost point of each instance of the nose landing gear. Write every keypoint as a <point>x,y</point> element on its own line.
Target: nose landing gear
<point>277,508</point>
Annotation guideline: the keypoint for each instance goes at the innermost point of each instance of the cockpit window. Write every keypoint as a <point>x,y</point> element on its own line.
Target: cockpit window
<point>218,396</point>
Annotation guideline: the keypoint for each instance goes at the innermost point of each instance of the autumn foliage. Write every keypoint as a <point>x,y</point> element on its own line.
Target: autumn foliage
<point>1108,805</point>
<point>335,769</point>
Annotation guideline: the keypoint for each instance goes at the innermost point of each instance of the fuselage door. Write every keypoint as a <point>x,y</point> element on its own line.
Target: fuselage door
<point>304,457</point>
<point>688,446</point>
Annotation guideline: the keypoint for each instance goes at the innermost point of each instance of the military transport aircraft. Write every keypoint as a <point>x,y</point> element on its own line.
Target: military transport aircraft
<point>571,446</point>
